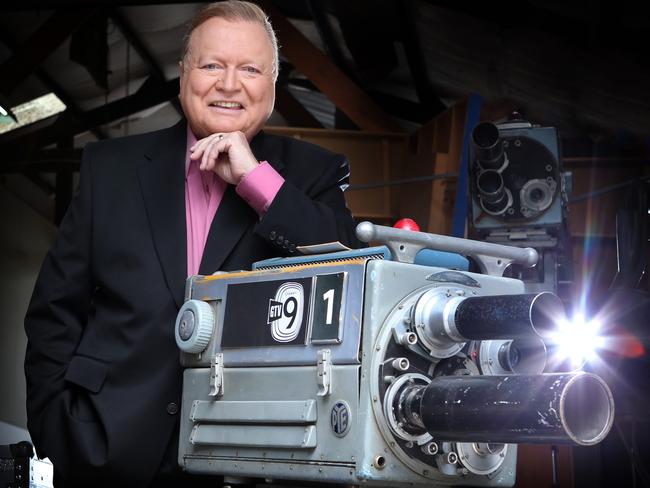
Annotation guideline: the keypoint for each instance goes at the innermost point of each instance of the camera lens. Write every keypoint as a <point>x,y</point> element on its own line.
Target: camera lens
<point>488,145</point>
<point>493,195</point>
<point>536,195</point>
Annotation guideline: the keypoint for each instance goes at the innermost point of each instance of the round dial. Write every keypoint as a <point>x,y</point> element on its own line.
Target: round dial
<point>194,326</point>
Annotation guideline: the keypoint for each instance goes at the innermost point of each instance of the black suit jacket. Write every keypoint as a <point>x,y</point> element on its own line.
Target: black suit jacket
<point>102,366</point>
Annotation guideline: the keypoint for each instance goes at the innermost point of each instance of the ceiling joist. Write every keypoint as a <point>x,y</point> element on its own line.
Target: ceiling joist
<point>292,110</point>
<point>151,93</point>
<point>329,79</point>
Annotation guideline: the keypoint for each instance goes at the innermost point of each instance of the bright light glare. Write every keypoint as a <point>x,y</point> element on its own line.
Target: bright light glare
<point>29,112</point>
<point>578,340</point>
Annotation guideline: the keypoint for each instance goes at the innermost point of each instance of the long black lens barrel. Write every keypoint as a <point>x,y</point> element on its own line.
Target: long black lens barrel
<point>488,145</point>
<point>508,316</point>
<point>493,194</point>
<point>574,408</point>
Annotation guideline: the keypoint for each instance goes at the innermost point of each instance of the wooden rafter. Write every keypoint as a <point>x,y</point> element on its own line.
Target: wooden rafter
<point>151,93</point>
<point>51,84</point>
<point>325,75</point>
<point>292,110</point>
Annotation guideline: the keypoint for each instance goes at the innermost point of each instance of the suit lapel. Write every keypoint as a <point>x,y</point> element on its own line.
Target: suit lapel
<point>234,215</point>
<point>231,220</point>
<point>162,180</point>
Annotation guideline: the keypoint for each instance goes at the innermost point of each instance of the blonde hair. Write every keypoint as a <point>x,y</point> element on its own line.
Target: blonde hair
<point>234,10</point>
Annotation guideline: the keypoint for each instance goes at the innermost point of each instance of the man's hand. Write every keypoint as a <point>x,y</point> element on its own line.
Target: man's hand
<point>227,154</point>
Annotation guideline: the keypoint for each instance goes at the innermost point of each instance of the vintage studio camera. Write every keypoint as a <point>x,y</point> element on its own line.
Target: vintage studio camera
<point>519,195</point>
<point>359,367</point>
<point>517,177</point>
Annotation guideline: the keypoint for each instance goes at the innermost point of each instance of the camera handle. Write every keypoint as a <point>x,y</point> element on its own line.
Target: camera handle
<point>404,245</point>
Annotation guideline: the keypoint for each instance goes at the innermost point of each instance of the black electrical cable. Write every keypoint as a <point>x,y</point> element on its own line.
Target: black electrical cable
<point>607,189</point>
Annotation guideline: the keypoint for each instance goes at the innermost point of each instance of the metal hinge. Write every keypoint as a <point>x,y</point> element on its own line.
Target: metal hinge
<point>324,378</point>
<point>216,375</point>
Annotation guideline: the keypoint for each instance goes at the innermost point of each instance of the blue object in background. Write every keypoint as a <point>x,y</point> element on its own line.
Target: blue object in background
<point>441,259</point>
<point>460,205</point>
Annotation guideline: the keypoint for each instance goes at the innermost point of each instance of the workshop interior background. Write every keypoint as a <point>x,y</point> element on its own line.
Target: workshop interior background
<point>397,86</point>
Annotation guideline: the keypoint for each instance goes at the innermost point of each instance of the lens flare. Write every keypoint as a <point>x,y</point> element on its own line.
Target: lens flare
<point>577,340</point>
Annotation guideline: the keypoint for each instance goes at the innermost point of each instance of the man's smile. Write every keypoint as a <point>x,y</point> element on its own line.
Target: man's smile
<point>226,105</point>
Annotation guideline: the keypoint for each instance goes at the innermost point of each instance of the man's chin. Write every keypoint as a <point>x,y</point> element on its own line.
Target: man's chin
<point>223,128</point>
<point>207,129</point>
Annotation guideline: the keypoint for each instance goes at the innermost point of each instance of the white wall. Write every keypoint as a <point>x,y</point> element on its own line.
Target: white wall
<point>25,237</point>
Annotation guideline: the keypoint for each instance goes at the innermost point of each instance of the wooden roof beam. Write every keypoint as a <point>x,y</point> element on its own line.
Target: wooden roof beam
<point>292,110</point>
<point>52,85</point>
<point>151,93</point>
<point>327,77</point>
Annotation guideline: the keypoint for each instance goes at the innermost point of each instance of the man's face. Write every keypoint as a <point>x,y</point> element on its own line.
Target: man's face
<point>226,79</point>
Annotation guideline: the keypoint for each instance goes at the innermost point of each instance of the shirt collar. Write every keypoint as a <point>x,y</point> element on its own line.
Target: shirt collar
<point>191,140</point>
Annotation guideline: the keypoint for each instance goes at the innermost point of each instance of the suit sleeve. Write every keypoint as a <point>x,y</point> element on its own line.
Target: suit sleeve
<point>60,418</point>
<point>313,214</point>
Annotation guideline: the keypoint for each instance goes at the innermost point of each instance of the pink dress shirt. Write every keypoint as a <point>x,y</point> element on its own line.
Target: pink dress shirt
<point>204,191</point>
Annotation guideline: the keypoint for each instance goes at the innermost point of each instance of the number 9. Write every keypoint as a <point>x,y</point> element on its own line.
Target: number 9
<point>291,311</point>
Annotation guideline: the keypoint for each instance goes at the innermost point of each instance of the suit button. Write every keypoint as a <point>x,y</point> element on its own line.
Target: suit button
<point>172,408</point>
<point>279,239</point>
<point>272,235</point>
<point>292,248</point>
<point>286,244</point>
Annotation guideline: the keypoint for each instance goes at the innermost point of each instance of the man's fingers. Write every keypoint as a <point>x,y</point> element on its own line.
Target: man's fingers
<point>199,148</point>
<point>208,155</point>
<point>205,148</point>
<point>212,152</point>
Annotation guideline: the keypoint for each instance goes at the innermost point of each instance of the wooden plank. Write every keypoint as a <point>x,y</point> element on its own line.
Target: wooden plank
<point>292,110</point>
<point>444,191</point>
<point>438,149</point>
<point>497,110</point>
<point>327,77</point>
<point>416,202</point>
<point>442,132</point>
<point>374,157</point>
<point>534,466</point>
<point>597,216</point>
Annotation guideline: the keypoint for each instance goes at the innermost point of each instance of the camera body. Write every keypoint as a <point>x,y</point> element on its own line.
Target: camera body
<point>516,177</point>
<point>331,368</point>
<point>518,196</point>
<point>311,408</point>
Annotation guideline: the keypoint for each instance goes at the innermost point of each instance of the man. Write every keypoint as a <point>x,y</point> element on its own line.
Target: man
<point>211,193</point>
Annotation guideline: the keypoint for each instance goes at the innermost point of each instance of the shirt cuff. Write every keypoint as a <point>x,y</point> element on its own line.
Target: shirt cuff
<point>259,187</point>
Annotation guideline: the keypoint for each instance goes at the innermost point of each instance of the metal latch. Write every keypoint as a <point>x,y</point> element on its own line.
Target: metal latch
<point>324,379</point>
<point>216,375</point>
